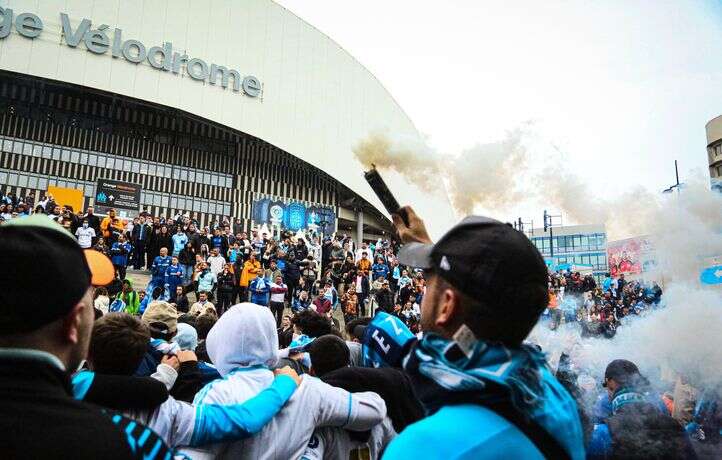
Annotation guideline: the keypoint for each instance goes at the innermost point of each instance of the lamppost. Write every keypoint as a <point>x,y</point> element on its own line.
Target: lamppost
<point>677,184</point>
<point>549,225</point>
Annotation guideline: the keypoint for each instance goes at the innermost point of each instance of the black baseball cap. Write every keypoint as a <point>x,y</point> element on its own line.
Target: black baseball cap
<point>44,272</point>
<point>624,372</point>
<point>480,257</point>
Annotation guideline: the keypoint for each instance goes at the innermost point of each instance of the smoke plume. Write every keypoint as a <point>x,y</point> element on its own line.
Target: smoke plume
<point>483,175</point>
<point>683,338</point>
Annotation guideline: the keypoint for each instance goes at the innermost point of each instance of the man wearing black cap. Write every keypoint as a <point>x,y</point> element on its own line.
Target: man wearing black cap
<point>44,336</point>
<point>487,394</point>
<point>637,428</point>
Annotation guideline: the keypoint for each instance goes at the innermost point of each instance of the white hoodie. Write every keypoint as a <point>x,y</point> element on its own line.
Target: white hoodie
<point>243,345</point>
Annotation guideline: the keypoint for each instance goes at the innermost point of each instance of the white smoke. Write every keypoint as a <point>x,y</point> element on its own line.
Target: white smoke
<point>483,175</point>
<point>685,228</point>
<point>682,338</point>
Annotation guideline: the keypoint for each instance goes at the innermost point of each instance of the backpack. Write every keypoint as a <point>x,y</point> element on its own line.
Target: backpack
<point>116,306</point>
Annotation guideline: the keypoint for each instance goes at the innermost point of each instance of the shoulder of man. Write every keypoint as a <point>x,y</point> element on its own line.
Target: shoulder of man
<point>440,435</point>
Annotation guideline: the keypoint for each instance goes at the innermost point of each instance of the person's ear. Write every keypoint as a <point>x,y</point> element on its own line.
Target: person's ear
<point>449,309</point>
<point>72,324</point>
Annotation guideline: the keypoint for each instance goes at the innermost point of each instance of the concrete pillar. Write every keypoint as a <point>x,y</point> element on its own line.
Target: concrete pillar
<point>359,227</point>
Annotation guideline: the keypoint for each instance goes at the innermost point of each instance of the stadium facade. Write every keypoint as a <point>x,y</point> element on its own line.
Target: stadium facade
<point>220,110</point>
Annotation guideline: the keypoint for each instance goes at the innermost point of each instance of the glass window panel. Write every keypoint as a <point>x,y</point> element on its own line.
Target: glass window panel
<point>3,177</point>
<point>83,158</point>
<point>37,150</point>
<point>143,167</point>
<point>75,156</point>
<point>164,201</point>
<point>92,159</point>
<point>152,169</point>
<point>110,163</point>
<point>22,180</point>
<point>174,202</point>
<point>8,145</point>
<point>102,161</point>
<point>156,199</point>
<point>183,174</point>
<point>65,155</point>
<point>47,152</point>
<point>214,179</point>
<point>227,209</point>
<point>27,149</point>
<point>18,147</point>
<point>43,183</point>
<point>181,203</point>
<point>33,182</point>
<point>204,206</point>
<point>192,176</point>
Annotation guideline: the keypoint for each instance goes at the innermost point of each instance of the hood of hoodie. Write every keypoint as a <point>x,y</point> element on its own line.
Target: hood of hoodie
<point>244,336</point>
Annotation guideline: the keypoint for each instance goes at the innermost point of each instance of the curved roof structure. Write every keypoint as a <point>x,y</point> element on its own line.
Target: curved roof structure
<point>295,88</point>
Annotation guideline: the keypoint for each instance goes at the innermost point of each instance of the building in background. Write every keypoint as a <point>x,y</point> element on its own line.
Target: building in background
<point>212,112</point>
<point>714,152</point>
<point>581,248</point>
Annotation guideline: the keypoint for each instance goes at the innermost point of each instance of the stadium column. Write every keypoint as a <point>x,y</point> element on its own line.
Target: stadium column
<point>359,226</point>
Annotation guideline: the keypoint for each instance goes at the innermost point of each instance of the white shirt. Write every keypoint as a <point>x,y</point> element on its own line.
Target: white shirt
<point>85,236</point>
<point>216,264</point>
<point>278,296</point>
<point>335,443</point>
<point>173,421</point>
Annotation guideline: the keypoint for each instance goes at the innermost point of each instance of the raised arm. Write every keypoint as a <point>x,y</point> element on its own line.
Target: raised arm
<point>218,423</point>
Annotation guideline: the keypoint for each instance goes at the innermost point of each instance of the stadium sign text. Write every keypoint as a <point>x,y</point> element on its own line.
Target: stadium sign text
<point>101,39</point>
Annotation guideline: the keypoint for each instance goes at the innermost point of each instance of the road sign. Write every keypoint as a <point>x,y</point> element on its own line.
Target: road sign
<point>711,275</point>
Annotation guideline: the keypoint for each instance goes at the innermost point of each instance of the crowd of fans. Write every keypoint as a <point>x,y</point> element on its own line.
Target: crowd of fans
<point>599,309</point>
<point>181,332</point>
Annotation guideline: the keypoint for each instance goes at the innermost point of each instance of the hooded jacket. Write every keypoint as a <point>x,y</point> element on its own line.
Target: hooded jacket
<point>243,345</point>
<point>181,424</point>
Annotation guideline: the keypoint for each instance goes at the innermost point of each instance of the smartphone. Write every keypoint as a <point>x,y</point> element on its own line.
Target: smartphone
<point>382,191</point>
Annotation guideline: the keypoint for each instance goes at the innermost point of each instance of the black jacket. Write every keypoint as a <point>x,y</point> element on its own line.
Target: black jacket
<point>147,232</point>
<point>385,300</point>
<point>226,282</point>
<point>640,430</point>
<point>160,240</point>
<point>40,419</point>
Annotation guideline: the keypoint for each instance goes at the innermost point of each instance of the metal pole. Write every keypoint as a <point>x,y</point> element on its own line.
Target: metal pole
<point>551,242</point>
<point>676,173</point>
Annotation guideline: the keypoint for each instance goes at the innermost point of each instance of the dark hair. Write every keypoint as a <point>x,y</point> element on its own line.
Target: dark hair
<point>328,353</point>
<point>118,344</point>
<point>203,325</point>
<point>351,325</point>
<point>187,318</point>
<point>311,323</point>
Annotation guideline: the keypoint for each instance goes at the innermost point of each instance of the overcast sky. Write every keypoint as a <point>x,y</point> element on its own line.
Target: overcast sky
<point>623,87</point>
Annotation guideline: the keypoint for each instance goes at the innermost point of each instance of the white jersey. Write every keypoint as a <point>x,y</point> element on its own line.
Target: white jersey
<point>242,344</point>
<point>216,264</point>
<point>173,421</point>
<point>85,236</point>
<point>335,443</point>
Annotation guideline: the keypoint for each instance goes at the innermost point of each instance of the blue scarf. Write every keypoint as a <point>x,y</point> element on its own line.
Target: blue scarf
<point>490,374</point>
<point>625,396</point>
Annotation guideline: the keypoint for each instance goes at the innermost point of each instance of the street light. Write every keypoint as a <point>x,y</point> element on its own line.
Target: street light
<point>549,225</point>
<point>677,186</point>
